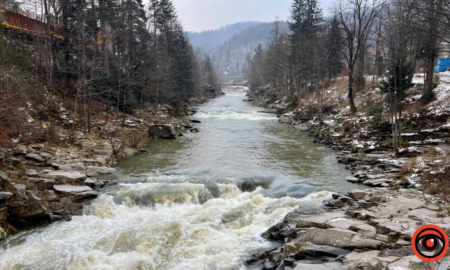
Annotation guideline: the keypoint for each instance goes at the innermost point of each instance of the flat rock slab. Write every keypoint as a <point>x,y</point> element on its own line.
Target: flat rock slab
<point>86,195</point>
<point>315,250</point>
<point>92,171</point>
<point>5,195</point>
<point>69,189</point>
<point>344,223</point>
<point>337,238</point>
<point>412,262</point>
<point>321,266</point>
<point>320,220</point>
<point>67,176</point>
<point>352,179</point>
<point>34,157</point>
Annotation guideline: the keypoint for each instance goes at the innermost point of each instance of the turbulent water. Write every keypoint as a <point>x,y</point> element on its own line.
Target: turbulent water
<point>179,206</point>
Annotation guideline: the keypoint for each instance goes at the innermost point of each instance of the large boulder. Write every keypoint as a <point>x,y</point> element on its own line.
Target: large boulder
<point>166,131</point>
<point>93,171</point>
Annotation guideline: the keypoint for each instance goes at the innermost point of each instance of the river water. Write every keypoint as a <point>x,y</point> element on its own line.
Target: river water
<point>179,206</point>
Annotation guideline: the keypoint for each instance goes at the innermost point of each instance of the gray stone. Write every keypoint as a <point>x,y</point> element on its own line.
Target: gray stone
<point>163,131</point>
<point>352,179</point>
<point>316,250</point>
<point>70,190</point>
<point>31,173</point>
<point>92,171</point>
<point>93,183</point>
<point>46,156</point>
<point>317,266</point>
<point>3,176</point>
<point>5,195</point>
<point>359,194</point>
<point>34,157</point>
<point>33,198</point>
<point>337,238</point>
<point>364,229</point>
<point>29,211</point>
<point>19,150</point>
<point>67,176</point>
<point>412,262</point>
<point>3,153</point>
<point>319,221</point>
<point>85,195</point>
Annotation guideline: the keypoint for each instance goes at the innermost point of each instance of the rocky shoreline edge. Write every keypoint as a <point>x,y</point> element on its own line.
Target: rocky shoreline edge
<point>362,229</point>
<point>43,183</point>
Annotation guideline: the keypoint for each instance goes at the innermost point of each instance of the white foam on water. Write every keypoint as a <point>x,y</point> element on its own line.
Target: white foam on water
<point>246,115</point>
<point>217,234</point>
<point>235,93</point>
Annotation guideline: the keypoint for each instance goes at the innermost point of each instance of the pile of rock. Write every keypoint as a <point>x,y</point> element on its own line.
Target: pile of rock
<point>364,229</point>
<point>41,187</point>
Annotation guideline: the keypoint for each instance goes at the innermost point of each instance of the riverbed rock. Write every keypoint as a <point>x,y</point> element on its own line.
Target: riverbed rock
<point>85,195</point>
<point>67,177</point>
<point>247,185</point>
<point>166,131</point>
<point>285,118</point>
<point>319,221</point>
<point>337,238</point>
<point>71,190</point>
<point>92,171</point>
<point>5,195</point>
<point>352,179</point>
<point>95,184</point>
<point>317,266</point>
<point>34,157</point>
<point>19,150</point>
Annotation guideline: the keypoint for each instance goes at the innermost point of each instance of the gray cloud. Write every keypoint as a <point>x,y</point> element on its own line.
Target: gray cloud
<point>199,15</point>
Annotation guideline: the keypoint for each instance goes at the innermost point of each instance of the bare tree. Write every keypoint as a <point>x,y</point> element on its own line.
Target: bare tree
<point>356,18</point>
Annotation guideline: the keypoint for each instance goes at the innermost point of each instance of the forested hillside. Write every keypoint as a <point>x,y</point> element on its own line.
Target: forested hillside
<point>210,39</point>
<point>232,47</point>
<point>123,54</point>
<point>233,56</point>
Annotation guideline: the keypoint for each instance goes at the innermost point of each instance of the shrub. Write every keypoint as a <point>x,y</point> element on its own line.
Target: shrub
<point>375,109</point>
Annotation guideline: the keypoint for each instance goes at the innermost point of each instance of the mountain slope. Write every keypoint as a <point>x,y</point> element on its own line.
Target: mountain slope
<point>233,55</point>
<point>207,40</point>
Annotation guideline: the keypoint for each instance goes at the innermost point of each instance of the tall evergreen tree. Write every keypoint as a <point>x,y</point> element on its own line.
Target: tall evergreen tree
<point>333,49</point>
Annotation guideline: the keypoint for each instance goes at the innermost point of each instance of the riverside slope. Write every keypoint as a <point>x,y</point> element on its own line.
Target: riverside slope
<point>362,229</point>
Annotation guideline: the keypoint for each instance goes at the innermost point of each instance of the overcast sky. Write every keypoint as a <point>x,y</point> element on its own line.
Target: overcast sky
<point>200,15</point>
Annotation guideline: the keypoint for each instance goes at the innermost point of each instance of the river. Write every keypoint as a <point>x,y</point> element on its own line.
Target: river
<point>179,206</point>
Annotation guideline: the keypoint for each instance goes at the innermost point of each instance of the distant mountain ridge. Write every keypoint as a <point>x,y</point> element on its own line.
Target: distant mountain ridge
<point>232,46</point>
<point>209,39</point>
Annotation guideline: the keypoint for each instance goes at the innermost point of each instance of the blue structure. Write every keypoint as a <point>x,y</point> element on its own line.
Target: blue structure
<point>442,65</point>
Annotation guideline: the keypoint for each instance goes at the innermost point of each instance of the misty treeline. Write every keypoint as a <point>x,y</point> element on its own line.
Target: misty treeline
<point>121,52</point>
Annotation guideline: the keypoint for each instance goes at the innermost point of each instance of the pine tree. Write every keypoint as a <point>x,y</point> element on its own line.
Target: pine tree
<point>333,48</point>
<point>399,79</point>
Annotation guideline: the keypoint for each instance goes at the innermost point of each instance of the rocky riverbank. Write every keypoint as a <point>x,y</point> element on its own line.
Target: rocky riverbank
<point>47,182</point>
<point>364,229</point>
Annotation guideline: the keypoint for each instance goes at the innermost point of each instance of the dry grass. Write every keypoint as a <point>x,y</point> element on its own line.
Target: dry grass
<point>437,184</point>
<point>408,167</point>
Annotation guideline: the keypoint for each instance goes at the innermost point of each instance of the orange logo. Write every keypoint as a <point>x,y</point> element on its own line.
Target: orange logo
<point>430,243</point>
